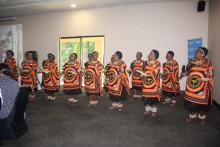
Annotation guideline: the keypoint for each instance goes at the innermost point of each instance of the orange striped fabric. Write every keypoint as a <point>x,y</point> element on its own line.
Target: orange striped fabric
<point>197,90</point>
<point>51,79</point>
<point>29,74</point>
<point>118,77</point>
<point>170,78</point>
<point>72,76</point>
<point>12,64</point>
<point>92,78</point>
<point>136,77</point>
<point>151,82</point>
<point>107,72</point>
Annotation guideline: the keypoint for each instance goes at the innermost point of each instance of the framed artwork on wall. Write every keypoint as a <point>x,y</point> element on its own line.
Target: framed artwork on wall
<point>11,39</point>
<point>192,45</point>
<point>82,46</point>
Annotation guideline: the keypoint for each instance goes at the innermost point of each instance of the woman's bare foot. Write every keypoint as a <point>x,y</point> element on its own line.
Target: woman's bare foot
<point>188,119</point>
<point>153,114</point>
<point>147,112</point>
<point>172,104</point>
<point>120,109</point>
<point>203,122</point>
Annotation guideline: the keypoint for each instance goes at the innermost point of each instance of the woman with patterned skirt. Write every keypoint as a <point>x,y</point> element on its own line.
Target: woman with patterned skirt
<point>72,79</point>
<point>137,84</point>
<point>170,79</point>
<point>199,85</point>
<point>93,83</point>
<point>51,77</point>
<point>107,70</point>
<point>151,83</point>
<point>118,84</point>
<point>29,74</point>
<point>10,61</point>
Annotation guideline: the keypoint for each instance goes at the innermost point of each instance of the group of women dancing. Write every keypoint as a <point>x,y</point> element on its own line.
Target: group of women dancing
<point>146,79</point>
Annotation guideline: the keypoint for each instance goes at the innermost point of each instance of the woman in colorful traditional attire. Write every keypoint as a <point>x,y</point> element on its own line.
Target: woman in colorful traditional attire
<point>151,83</point>
<point>107,71</point>
<point>118,84</point>
<point>29,73</point>
<point>170,79</point>
<point>135,66</point>
<point>199,85</point>
<point>11,62</point>
<point>93,83</point>
<point>72,78</point>
<point>51,77</point>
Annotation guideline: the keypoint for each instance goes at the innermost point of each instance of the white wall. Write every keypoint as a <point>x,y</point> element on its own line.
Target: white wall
<point>214,43</point>
<point>131,28</point>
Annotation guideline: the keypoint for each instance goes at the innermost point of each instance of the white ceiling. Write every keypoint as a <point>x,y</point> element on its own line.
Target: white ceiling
<point>25,7</point>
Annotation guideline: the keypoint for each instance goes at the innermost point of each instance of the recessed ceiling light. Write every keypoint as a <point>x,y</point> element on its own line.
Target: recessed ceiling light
<point>73,5</point>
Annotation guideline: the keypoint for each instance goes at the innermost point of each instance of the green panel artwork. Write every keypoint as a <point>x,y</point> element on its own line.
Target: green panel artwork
<point>82,46</point>
<point>89,45</point>
<point>68,46</point>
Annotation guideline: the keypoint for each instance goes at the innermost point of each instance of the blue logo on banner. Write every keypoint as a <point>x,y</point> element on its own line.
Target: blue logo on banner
<point>192,45</point>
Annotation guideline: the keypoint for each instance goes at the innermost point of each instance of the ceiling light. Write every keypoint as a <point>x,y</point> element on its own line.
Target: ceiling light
<point>73,5</point>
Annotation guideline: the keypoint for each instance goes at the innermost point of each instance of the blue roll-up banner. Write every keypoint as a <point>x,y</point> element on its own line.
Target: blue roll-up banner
<point>192,45</point>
